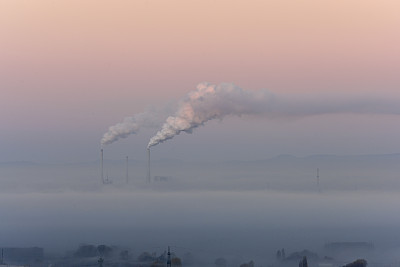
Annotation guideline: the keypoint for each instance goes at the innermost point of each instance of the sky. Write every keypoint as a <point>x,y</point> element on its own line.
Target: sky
<point>71,69</point>
<point>330,70</point>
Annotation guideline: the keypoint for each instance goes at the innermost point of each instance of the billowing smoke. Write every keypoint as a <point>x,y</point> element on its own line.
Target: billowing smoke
<point>209,102</point>
<point>131,125</point>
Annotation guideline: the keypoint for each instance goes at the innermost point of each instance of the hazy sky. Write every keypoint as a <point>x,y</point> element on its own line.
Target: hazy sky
<point>71,69</point>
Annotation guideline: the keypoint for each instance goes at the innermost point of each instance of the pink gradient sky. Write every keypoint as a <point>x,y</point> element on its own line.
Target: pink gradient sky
<point>70,69</point>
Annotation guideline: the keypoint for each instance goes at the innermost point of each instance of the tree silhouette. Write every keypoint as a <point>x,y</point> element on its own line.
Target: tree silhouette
<point>104,250</point>
<point>145,257</point>
<point>250,264</point>
<point>303,262</point>
<point>357,263</point>
<point>86,251</point>
<point>220,262</point>
<point>176,261</point>
<point>278,255</point>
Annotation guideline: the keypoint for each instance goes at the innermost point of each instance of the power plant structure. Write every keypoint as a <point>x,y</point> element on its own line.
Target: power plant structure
<point>148,166</point>
<point>107,181</point>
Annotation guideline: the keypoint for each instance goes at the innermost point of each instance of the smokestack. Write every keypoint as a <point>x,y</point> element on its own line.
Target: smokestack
<point>132,125</point>
<point>127,176</point>
<point>102,169</point>
<point>148,166</point>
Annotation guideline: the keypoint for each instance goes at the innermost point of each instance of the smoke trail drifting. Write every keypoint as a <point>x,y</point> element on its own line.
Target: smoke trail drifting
<point>209,102</point>
<point>131,125</point>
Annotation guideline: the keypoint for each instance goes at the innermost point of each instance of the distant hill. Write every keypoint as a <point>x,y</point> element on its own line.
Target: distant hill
<point>18,163</point>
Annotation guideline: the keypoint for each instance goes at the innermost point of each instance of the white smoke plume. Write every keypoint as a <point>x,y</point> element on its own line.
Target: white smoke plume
<point>209,102</point>
<point>131,125</point>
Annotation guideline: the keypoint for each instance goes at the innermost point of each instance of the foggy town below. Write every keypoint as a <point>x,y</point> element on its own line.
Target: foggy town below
<point>283,211</point>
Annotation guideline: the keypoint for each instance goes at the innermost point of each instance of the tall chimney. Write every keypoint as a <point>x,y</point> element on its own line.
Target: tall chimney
<point>102,169</point>
<point>148,166</point>
<point>127,176</point>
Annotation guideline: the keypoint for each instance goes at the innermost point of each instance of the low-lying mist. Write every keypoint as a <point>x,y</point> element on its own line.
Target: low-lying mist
<point>241,211</point>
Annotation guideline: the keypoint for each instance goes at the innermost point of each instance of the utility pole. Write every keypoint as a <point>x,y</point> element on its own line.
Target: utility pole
<point>127,176</point>
<point>169,258</point>
<point>318,187</point>
<point>102,166</point>
<point>148,166</point>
